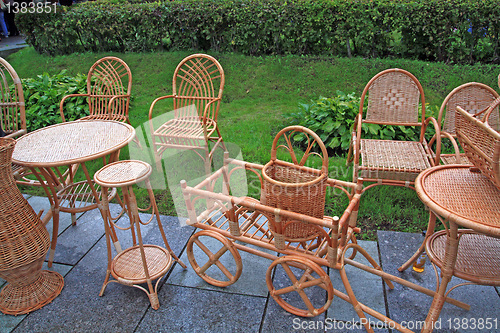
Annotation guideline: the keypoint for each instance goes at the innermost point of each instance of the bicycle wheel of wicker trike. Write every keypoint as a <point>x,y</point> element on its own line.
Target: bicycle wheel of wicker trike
<point>214,258</point>
<point>299,286</point>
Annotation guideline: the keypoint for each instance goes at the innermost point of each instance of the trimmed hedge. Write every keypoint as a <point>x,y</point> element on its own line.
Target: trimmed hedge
<point>432,30</point>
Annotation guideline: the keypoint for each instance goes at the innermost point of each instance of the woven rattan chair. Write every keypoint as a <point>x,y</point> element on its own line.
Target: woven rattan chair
<point>393,97</point>
<point>140,263</point>
<point>109,83</point>
<point>197,87</point>
<point>13,116</point>
<point>475,98</point>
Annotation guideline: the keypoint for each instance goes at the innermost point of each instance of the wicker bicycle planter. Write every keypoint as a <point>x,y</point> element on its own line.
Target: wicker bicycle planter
<point>295,187</point>
<point>24,242</point>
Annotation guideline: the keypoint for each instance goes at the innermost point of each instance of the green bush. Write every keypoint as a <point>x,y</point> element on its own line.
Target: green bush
<point>452,31</point>
<point>333,119</point>
<point>44,93</point>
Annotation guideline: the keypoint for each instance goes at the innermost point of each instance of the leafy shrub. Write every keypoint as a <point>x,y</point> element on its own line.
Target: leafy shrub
<point>44,93</point>
<point>449,31</point>
<point>333,120</point>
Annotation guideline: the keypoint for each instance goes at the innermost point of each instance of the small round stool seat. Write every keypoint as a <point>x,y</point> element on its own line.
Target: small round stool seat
<point>477,258</point>
<point>127,267</point>
<point>123,173</point>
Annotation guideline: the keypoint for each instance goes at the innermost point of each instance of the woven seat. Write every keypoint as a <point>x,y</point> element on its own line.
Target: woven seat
<point>197,87</point>
<point>140,263</point>
<point>473,97</point>
<point>399,160</point>
<point>394,96</point>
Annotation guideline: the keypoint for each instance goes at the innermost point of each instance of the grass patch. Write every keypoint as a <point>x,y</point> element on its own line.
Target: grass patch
<point>257,94</point>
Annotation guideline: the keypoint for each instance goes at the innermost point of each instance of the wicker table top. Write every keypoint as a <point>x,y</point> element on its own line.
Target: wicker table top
<point>71,142</point>
<point>464,197</point>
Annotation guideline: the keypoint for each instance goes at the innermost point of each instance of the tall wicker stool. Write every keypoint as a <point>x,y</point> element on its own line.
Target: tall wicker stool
<point>140,263</point>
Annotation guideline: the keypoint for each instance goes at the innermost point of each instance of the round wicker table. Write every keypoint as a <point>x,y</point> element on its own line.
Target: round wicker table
<point>461,197</point>
<point>47,150</point>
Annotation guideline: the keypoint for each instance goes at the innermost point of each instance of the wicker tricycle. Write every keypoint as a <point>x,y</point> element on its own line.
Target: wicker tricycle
<point>287,225</point>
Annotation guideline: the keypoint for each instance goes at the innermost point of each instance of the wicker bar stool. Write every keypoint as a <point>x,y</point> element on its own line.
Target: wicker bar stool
<point>140,263</point>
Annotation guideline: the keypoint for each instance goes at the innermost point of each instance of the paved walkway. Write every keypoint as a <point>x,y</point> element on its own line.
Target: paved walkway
<point>188,304</point>
<point>11,44</point>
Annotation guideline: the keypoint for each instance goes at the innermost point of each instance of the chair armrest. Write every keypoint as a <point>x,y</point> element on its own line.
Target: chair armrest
<point>355,144</point>
<point>16,133</point>
<point>207,107</point>
<point>61,105</point>
<point>437,128</point>
<point>154,103</point>
<point>111,101</point>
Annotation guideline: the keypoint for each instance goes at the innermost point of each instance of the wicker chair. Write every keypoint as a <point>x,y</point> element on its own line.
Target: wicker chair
<point>393,99</point>
<point>109,83</point>
<point>197,87</point>
<point>475,98</point>
<point>13,116</point>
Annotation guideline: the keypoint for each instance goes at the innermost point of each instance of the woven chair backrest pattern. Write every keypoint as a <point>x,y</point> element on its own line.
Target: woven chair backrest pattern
<point>12,115</point>
<point>393,97</point>
<point>473,97</point>
<point>199,80</point>
<point>109,77</point>
<point>481,144</point>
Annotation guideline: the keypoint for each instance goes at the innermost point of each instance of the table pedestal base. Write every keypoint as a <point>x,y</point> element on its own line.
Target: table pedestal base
<point>31,292</point>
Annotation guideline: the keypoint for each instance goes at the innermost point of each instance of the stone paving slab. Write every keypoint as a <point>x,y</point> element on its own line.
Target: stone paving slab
<point>188,304</point>
<point>405,304</point>
<point>184,309</point>
<point>367,287</point>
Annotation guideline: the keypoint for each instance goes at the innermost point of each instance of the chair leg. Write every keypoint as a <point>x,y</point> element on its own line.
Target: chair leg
<point>428,233</point>
<point>106,281</point>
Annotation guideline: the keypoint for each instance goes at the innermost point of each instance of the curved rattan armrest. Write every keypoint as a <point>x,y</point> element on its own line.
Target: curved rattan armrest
<point>454,143</point>
<point>111,101</point>
<point>490,109</point>
<point>61,105</point>
<point>16,133</point>
<point>437,128</point>
<point>356,137</point>
<point>207,107</point>
<point>154,103</point>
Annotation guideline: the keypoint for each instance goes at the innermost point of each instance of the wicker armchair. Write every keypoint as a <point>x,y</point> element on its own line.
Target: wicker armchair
<point>197,87</point>
<point>109,83</point>
<point>393,99</point>
<point>475,98</point>
<point>13,116</point>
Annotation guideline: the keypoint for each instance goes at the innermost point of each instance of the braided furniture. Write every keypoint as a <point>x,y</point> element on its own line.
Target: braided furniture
<point>24,242</point>
<point>475,98</point>
<point>197,87</point>
<point>140,263</point>
<point>394,96</point>
<point>109,83</point>
<point>468,197</point>
<point>48,150</point>
<point>299,239</point>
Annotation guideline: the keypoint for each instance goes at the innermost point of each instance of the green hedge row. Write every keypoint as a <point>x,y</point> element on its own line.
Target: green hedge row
<point>435,30</point>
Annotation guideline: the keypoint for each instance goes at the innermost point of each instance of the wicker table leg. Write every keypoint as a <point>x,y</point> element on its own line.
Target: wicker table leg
<point>447,273</point>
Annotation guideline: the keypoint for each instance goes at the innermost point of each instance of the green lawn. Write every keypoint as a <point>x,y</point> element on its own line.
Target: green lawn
<point>260,90</point>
